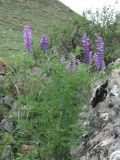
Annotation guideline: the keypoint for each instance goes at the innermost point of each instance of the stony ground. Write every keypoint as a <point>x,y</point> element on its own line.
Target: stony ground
<point>103,141</point>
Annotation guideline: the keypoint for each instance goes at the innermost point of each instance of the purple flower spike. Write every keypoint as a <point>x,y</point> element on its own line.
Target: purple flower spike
<point>100,45</point>
<point>44,42</point>
<point>86,47</point>
<point>98,57</point>
<point>97,61</point>
<point>90,57</point>
<point>27,38</point>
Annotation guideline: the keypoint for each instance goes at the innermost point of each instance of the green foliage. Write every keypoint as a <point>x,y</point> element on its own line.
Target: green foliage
<point>49,104</point>
<point>106,23</point>
<point>52,110</point>
<point>20,61</point>
<point>61,33</point>
<point>17,66</point>
<point>65,37</point>
<point>5,140</point>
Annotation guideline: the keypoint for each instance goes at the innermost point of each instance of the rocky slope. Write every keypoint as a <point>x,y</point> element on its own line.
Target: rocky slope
<point>103,141</point>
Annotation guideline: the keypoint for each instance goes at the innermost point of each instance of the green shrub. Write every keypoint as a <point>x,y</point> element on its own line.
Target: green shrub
<point>53,110</point>
<point>106,23</point>
<point>65,36</point>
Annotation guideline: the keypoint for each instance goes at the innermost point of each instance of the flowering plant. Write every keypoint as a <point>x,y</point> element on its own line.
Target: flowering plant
<point>98,56</point>
<point>87,50</point>
<point>44,42</point>
<point>27,38</point>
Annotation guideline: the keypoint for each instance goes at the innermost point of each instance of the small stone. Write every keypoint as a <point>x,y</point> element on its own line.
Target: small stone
<point>104,116</point>
<point>32,143</point>
<point>9,102</point>
<point>25,148</point>
<point>117,61</point>
<point>6,125</point>
<point>2,78</point>
<point>35,71</point>
<point>1,99</point>
<point>7,153</point>
<point>115,155</point>
<point>114,91</point>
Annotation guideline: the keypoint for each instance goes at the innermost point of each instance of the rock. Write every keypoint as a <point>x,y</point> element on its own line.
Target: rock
<point>35,71</point>
<point>2,78</point>
<point>9,102</point>
<point>104,116</point>
<point>115,155</point>
<point>100,94</point>
<point>6,125</point>
<point>117,61</point>
<point>25,148</point>
<point>1,117</point>
<point>1,99</point>
<point>7,153</point>
<point>103,142</point>
<point>32,143</point>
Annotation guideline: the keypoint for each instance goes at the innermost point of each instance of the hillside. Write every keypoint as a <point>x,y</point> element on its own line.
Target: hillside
<point>39,14</point>
<point>59,98</point>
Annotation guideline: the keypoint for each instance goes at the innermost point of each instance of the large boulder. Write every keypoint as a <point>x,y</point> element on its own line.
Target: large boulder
<point>103,141</point>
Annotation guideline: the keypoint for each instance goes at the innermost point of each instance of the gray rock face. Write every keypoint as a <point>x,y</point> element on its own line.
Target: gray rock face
<point>6,125</point>
<point>7,153</point>
<point>10,102</point>
<point>103,143</point>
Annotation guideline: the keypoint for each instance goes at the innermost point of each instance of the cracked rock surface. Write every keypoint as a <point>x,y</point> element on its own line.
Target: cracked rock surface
<point>103,142</point>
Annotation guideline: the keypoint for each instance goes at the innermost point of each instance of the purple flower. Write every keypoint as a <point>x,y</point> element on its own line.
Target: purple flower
<point>44,42</point>
<point>98,57</point>
<point>97,61</point>
<point>100,45</point>
<point>27,38</point>
<point>90,57</point>
<point>87,50</point>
